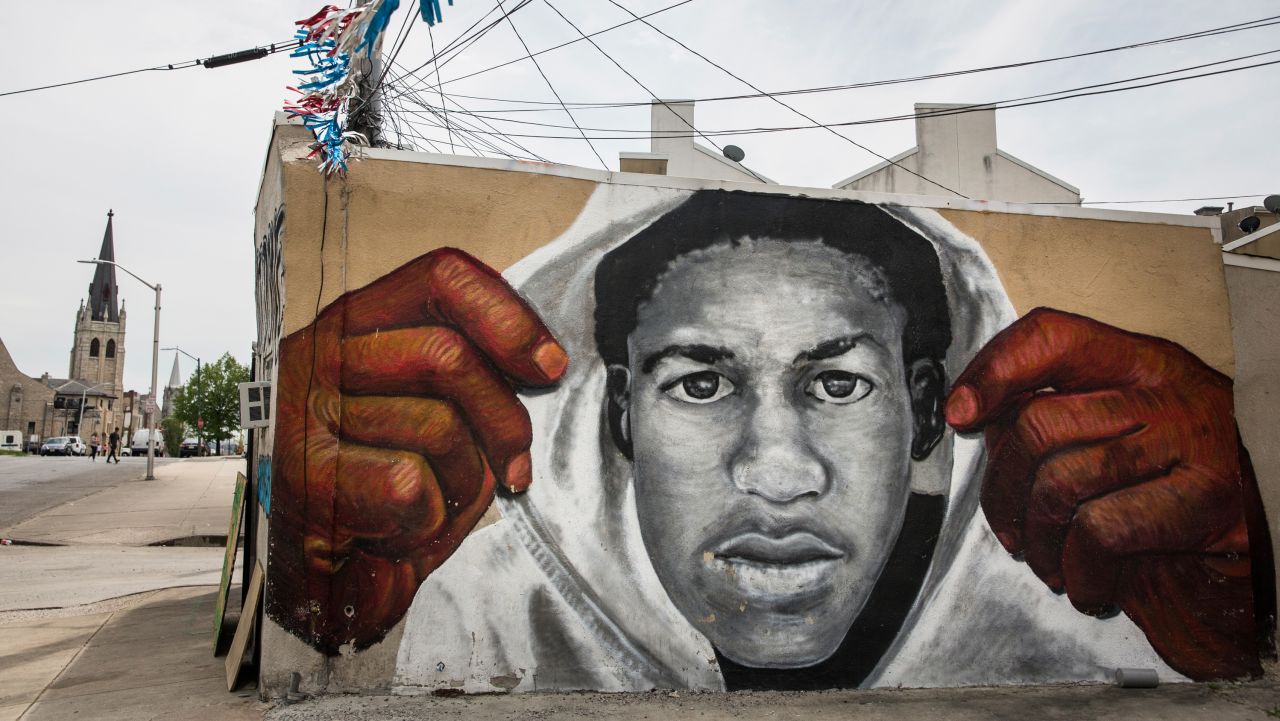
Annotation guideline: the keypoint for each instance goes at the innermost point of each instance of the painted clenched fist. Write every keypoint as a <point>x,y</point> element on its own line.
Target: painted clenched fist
<point>397,415</point>
<point>1114,468</point>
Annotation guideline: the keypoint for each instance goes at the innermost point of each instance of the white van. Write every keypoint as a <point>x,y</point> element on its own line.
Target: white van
<point>139,445</point>
<point>11,441</point>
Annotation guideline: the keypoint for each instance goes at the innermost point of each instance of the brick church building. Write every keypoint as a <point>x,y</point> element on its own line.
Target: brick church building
<point>90,399</point>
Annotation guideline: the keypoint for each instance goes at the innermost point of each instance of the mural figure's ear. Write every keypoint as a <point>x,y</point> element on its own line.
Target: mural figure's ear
<point>618,389</point>
<point>927,383</point>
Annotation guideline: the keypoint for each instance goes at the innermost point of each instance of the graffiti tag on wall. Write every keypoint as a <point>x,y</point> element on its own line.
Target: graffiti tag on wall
<point>269,274</point>
<point>263,480</point>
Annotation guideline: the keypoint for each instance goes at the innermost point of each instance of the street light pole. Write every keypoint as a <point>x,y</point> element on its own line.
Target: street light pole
<point>199,408</point>
<point>84,392</point>
<point>155,360</point>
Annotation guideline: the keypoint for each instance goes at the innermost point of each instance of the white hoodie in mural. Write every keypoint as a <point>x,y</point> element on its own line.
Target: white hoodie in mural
<point>560,594</point>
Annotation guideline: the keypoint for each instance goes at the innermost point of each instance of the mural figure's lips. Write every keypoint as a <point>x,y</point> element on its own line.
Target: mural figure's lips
<point>791,549</point>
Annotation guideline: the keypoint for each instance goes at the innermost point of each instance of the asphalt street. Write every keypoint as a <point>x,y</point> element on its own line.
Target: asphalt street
<point>32,484</point>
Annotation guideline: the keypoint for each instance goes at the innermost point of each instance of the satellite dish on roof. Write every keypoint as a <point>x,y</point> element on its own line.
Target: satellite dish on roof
<point>1272,203</point>
<point>734,153</point>
<point>1250,224</point>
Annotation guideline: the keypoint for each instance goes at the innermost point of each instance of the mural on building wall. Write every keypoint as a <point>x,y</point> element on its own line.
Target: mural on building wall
<point>269,272</point>
<point>756,441</point>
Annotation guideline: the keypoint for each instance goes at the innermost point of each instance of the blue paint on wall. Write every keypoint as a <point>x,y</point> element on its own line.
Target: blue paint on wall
<point>264,484</point>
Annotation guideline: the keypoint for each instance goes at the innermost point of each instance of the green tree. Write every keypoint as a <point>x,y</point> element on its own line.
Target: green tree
<point>174,431</point>
<point>213,394</point>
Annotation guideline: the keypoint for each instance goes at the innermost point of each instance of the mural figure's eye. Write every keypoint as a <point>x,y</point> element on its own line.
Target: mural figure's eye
<point>839,387</point>
<point>700,387</point>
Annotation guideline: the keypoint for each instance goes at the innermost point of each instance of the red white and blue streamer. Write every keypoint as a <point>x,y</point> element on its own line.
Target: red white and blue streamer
<point>328,41</point>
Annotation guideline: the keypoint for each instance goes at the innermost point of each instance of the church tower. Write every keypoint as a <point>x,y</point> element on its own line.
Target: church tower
<point>97,351</point>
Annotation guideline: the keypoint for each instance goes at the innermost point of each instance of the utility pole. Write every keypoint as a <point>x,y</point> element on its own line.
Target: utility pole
<point>199,405</point>
<point>366,107</point>
<point>84,392</point>
<point>155,359</point>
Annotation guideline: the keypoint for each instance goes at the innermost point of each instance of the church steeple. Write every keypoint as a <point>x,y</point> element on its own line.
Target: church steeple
<point>175,378</point>
<point>103,303</point>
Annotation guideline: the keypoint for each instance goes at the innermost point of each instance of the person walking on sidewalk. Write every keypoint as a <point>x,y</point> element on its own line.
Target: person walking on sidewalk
<point>113,445</point>
<point>93,447</point>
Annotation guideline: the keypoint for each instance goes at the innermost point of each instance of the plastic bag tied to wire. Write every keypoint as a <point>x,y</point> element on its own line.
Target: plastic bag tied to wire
<point>328,40</point>
<point>431,11</point>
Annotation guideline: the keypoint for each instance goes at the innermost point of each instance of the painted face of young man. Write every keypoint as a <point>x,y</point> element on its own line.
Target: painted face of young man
<point>771,427</point>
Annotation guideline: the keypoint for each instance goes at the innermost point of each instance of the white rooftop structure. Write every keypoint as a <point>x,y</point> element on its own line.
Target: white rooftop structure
<point>672,150</point>
<point>956,147</point>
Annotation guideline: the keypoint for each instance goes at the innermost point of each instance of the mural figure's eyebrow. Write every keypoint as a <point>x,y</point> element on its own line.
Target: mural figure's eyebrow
<point>835,347</point>
<point>706,354</point>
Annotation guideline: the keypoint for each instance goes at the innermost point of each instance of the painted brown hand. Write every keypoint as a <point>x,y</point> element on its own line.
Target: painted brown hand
<point>396,417</point>
<point>1115,469</point>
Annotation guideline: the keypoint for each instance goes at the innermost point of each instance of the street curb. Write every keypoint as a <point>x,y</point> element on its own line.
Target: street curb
<point>85,609</point>
<point>23,542</point>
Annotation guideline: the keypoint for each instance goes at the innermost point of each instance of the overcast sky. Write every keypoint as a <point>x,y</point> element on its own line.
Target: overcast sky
<point>179,154</point>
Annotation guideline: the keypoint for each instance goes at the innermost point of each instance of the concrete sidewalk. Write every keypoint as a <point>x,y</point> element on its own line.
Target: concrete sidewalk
<point>104,625</point>
<point>151,658</point>
<point>36,577</point>
<point>189,498</point>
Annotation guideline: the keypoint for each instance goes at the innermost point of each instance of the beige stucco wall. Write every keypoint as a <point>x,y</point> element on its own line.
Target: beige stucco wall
<point>1255,306</point>
<point>386,213</point>
<point>1162,280</point>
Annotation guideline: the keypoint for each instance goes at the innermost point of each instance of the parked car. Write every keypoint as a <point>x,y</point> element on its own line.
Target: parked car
<point>139,444</point>
<point>63,446</point>
<point>192,447</point>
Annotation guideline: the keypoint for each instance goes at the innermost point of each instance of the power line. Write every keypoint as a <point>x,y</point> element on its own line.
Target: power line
<point>642,85</point>
<point>415,97</point>
<point>957,110</point>
<point>466,38</point>
<point>564,44</point>
<point>271,48</point>
<point>783,104</point>
<point>960,110</point>
<point>538,65</point>
<point>362,114</point>
<point>443,107</point>
<point>584,105</point>
<point>412,131</point>
<point>456,46</point>
<point>463,133</point>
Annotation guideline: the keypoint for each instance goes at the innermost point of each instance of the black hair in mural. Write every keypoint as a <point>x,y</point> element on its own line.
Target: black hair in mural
<point>627,275</point>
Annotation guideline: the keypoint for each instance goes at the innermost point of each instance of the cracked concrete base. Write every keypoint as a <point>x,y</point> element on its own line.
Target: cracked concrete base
<point>1212,702</point>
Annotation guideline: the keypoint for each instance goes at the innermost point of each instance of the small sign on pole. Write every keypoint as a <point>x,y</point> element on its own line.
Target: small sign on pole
<point>255,404</point>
